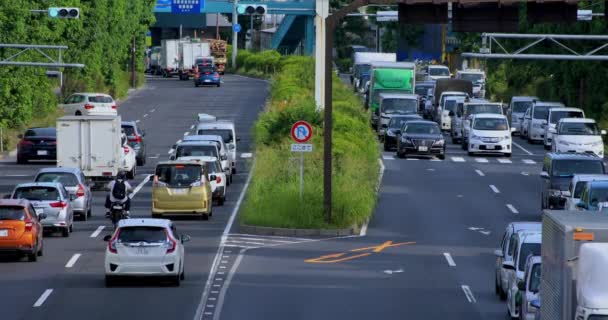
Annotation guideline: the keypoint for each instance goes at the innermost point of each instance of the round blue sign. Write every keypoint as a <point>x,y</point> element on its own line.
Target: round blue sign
<point>236,27</point>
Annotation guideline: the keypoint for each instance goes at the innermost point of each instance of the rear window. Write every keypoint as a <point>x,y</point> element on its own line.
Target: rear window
<point>12,213</point>
<point>557,115</point>
<point>142,234</point>
<point>568,168</point>
<point>101,99</point>
<point>37,193</point>
<point>196,151</point>
<point>483,108</point>
<point>226,134</point>
<point>41,132</point>
<point>67,179</point>
<point>129,130</point>
<point>178,174</point>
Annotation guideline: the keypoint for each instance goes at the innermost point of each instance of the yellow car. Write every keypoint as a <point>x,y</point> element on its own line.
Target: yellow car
<point>181,188</point>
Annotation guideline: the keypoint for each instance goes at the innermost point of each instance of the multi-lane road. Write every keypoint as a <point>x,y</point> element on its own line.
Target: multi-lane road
<point>426,253</point>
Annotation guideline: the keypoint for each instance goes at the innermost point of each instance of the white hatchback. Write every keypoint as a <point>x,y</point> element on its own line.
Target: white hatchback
<point>145,248</point>
<point>578,135</point>
<point>89,104</point>
<point>489,133</point>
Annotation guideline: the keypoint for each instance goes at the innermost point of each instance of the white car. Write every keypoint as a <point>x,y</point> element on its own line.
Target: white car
<point>579,136</point>
<point>526,243</point>
<point>216,176</point>
<point>89,104</point>
<point>489,133</point>
<point>223,149</point>
<point>438,111</point>
<point>145,247</point>
<point>577,185</point>
<point>129,161</point>
<point>478,78</point>
<point>537,119</point>
<point>449,110</point>
<point>225,129</point>
<point>530,288</point>
<point>524,123</point>
<point>434,72</point>
<point>556,114</point>
<point>506,251</point>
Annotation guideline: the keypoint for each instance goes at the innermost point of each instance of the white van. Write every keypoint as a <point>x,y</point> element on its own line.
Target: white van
<point>224,159</point>
<point>556,114</point>
<point>578,135</point>
<point>226,130</point>
<point>537,119</point>
<point>489,133</point>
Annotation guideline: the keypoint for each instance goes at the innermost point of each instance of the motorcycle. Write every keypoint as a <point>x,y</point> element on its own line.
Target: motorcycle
<point>117,213</point>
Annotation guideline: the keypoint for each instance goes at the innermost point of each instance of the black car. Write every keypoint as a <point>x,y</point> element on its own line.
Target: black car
<point>37,144</point>
<point>135,136</point>
<point>395,124</point>
<point>558,170</point>
<point>420,138</point>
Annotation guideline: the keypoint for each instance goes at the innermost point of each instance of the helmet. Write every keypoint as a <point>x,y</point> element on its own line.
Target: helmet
<point>121,175</point>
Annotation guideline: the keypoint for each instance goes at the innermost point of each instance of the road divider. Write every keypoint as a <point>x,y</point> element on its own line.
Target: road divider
<point>45,295</point>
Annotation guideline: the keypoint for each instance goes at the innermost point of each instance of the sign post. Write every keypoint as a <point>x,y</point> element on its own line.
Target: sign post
<point>301,132</point>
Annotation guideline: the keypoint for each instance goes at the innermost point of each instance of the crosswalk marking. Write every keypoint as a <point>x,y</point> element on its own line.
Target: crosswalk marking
<point>481,160</point>
<point>458,159</point>
<point>504,160</point>
<point>529,161</point>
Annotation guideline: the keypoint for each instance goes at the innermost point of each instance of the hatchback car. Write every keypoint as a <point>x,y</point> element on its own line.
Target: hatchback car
<point>20,229</point>
<point>135,137</point>
<point>182,188</point>
<point>577,135</point>
<point>526,243</point>
<point>90,104</point>
<point>74,181</point>
<point>489,133</point>
<point>422,138</point>
<point>395,125</point>
<point>37,144</point>
<point>52,199</point>
<point>145,247</point>
<point>227,130</point>
<point>207,76</point>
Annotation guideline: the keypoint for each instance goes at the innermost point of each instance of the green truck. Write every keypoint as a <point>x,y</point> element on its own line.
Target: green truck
<point>389,77</point>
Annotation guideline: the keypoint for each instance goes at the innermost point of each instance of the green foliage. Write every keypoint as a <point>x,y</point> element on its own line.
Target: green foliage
<point>273,196</point>
<point>258,64</point>
<point>101,39</point>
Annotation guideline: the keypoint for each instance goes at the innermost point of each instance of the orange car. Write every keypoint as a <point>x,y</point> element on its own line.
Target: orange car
<point>20,228</point>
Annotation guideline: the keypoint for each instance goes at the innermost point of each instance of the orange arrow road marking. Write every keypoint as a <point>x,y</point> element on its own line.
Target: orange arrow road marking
<point>383,246</point>
<point>322,259</point>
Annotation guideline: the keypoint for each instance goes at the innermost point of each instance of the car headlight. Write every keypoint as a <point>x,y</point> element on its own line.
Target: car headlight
<point>474,137</point>
<point>597,143</point>
<point>439,142</point>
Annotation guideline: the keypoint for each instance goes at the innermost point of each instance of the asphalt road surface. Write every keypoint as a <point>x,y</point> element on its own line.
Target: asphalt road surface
<point>68,281</point>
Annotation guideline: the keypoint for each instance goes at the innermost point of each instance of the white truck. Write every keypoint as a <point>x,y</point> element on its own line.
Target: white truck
<point>96,145</point>
<point>169,57</point>
<point>574,281</point>
<point>188,52</point>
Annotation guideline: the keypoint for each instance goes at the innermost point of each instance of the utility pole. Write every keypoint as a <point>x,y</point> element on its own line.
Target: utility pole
<point>235,20</point>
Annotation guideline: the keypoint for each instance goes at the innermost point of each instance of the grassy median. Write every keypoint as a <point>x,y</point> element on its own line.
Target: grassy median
<point>273,197</point>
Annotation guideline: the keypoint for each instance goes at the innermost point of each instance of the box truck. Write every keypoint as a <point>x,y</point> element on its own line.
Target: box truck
<point>169,57</point>
<point>389,77</point>
<point>188,52</point>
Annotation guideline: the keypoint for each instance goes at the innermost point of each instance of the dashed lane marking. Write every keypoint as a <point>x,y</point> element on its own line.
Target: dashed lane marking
<point>388,158</point>
<point>45,295</point>
<point>186,133</point>
<point>449,259</point>
<point>191,127</point>
<point>458,159</point>
<point>72,260</point>
<point>481,160</point>
<point>529,161</point>
<point>137,121</point>
<point>152,110</point>
<point>480,173</point>
<point>504,160</point>
<point>468,293</point>
<point>412,159</point>
<point>246,155</point>
<point>97,231</point>
<point>512,208</point>
<point>493,187</point>
<point>145,115</point>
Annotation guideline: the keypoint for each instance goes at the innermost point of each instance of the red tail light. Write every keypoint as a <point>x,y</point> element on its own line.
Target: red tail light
<point>80,192</point>
<point>172,243</point>
<point>114,107</point>
<point>112,242</point>
<point>28,225</point>
<point>126,150</point>
<point>218,179</point>
<point>135,139</point>
<point>207,73</point>
<point>58,204</point>
<point>89,106</point>
<point>25,143</point>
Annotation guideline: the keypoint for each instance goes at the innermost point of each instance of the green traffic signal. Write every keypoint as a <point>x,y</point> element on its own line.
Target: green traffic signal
<point>241,9</point>
<point>63,13</point>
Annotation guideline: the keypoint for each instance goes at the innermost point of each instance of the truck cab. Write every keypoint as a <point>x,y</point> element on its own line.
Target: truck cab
<point>392,105</point>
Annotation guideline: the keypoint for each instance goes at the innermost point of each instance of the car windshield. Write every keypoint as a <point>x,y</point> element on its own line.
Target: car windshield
<point>178,174</point>
<point>483,108</point>
<point>422,90</point>
<point>41,132</point>
<point>473,77</point>
<point>226,134</point>
<point>521,106</point>
<point>422,128</point>
<point>445,96</point>
<point>578,190</point>
<point>65,178</point>
<point>579,129</point>
<point>557,115</point>
<point>598,194</point>
<point>535,278</point>
<point>450,105</point>
<point>100,99</point>
<point>491,124</point>
<point>398,122</point>
<point>541,112</point>
<point>399,106</point>
<point>568,168</point>
<point>526,250</point>
<point>142,234</point>
<point>12,213</point>
<point>439,71</point>
<point>37,193</point>
<point>196,151</point>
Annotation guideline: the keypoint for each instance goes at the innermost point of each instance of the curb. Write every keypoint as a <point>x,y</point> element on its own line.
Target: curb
<point>285,232</point>
<point>8,154</point>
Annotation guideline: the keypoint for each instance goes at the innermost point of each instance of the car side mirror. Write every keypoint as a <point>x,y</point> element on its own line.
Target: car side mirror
<point>451,114</point>
<point>544,175</point>
<point>603,132</point>
<point>42,216</point>
<point>107,238</point>
<point>498,253</point>
<point>184,238</point>
<point>72,197</point>
<point>508,265</point>
<point>20,136</point>
<point>521,285</point>
<point>581,205</point>
<point>212,177</point>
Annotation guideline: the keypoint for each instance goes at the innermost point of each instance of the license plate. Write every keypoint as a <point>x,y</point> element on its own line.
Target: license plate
<point>39,211</point>
<point>490,147</point>
<point>4,233</point>
<point>43,153</point>
<point>180,191</point>
<point>142,251</point>
<point>423,148</point>
<point>207,80</point>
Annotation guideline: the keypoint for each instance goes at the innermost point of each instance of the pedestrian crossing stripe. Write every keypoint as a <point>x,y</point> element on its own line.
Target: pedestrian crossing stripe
<point>481,160</point>
<point>529,161</point>
<point>458,159</point>
<point>504,161</point>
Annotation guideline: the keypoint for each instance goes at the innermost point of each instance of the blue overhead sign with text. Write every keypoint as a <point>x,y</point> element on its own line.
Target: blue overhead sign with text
<point>180,6</point>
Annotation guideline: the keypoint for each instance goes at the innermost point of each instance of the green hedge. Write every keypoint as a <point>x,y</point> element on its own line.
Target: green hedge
<point>273,196</point>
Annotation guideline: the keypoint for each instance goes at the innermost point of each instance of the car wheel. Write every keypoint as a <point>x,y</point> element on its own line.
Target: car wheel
<point>204,217</point>
<point>441,157</point>
<point>196,84</point>
<point>89,212</point>
<point>140,161</point>
<point>65,232</point>
<point>176,280</point>
<point>110,281</point>
<point>182,275</point>
<point>219,84</point>
<point>40,252</point>
<point>32,257</point>
<point>386,148</point>
<point>508,155</point>
<point>21,159</point>
<point>84,216</point>
<point>233,170</point>
<point>71,227</point>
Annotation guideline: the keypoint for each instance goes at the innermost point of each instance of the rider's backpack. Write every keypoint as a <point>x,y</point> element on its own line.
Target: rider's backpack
<point>120,190</point>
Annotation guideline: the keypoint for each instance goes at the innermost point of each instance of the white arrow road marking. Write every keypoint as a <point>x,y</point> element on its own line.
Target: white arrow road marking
<point>43,298</point>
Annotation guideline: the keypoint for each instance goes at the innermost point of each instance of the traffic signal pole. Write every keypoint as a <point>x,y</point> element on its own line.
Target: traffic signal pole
<point>235,20</point>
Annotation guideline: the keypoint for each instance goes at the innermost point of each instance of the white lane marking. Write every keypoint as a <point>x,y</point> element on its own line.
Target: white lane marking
<point>178,141</point>
<point>512,208</point>
<point>449,258</point>
<point>170,151</point>
<point>72,260</point>
<point>97,231</point>
<point>436,160</point>
<point>412,159</point>
<point>43,298</point>
<point>481,160</point>
<point>504,160</point>
<point>186,133</point>
<point>191,127</point>
<point>525,173</point>
<point>154,157</point>
<point>388,158</point>
<point>529,161</point>
<point>137,121</point>
<point>222,295</point>
<point>152,110</point>
<point>486,232</point>
<point>479,172</point>
<point>139,186</point>
<point>430,169</point>
<point>246,155</point>
<point>145,115</point>
<point>17,175</point>
<point>458,159</point>
<point>468,293</point>
<point>493,187</point>
<point>522,148</point>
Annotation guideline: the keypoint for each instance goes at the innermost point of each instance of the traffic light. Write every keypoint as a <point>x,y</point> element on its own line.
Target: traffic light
<point>252,9</point>
<point>64,13</point>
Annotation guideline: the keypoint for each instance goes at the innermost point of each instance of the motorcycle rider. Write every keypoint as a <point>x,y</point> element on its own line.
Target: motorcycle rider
<point>119,193</point>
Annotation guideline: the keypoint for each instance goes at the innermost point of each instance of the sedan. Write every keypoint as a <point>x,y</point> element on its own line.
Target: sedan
<point>90,104</point>
<point>421,138</point>
<point>207,76</point>
<point>395,124</point>
<point>145,247</point>
<point>75,183</point>
<point>37,144</point>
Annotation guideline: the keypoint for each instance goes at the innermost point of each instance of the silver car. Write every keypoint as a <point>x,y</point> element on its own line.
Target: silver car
<point>75,183</point>
<point>52,199</point>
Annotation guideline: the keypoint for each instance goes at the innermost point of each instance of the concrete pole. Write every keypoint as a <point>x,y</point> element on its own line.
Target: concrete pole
<point>235,20</point>
<point>322,9</point>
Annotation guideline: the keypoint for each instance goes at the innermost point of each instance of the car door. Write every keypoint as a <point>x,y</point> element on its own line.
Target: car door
<point>68,104</point>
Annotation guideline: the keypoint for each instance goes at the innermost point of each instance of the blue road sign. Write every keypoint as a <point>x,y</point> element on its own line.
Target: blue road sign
<point>236,28</point>
<point>187,6</point>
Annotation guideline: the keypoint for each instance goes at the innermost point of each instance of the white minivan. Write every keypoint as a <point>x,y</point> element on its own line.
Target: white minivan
<point>578,135</point>
<point>225,129</point>
<point>537,119</point>
<point>556,114</point>
<point>489,133</point>
<point>526,243</point>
